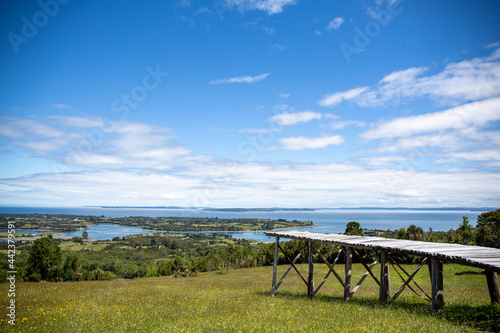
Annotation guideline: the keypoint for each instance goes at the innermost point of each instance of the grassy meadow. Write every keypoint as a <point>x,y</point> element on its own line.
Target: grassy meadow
<point>239,301</point>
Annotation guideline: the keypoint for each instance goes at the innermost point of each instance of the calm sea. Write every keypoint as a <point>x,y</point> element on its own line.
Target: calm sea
<point>325,221</point>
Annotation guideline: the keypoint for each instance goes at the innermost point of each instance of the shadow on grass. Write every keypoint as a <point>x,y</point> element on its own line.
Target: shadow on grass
<point>482,317</point>
<point>471,273</point>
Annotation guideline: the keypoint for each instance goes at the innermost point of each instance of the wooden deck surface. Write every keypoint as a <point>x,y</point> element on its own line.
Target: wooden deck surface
<point>478,256</point>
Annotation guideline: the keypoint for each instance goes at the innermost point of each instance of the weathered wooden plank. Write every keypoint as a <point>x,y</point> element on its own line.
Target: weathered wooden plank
<point>492,281</point>
<point>437,285</point>
<point>310,279</point>
<point>348,272</point>
<point>275,265</point>
<point>478,256</point>
<point>385,282</point>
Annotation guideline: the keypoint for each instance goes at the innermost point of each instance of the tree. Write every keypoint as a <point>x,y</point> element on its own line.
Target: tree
<point>44,261</point>
<point>85,234</point>
<point>353,228</point>
<point>72,268</point>
<point>488,229</point>
<point>464,233</point>
<point>414,233</point>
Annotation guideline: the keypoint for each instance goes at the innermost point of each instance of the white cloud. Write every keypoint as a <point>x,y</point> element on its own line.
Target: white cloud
<point>284,95</point>
<point>202,10</point>
<point>140,164</point>
<point>61,106</point>
<point>292,118</point>
<point>268,30</point>
<point>456,135</point>
<point>251,184</point>
<point>477,114</point>
<point>269,6</point>
<point>465,81</point>
<point>12,127</point>
<point>254,130</point>
<point>335,23</point>
<point>474,156</point>
<point>341,124</point>
<point>80,122</point>
<point>338,97</point>
<point>242,79</point>
<point>302,143</point>
<point>115,145</point>
<point>275,47</point>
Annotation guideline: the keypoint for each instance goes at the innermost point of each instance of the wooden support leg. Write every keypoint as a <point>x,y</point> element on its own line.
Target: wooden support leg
<point>275,267</point>
<point>348,272</point>
<point>492,280</point>
<point>385,282</point>
<point>437,285</point>
<point>310,279</point>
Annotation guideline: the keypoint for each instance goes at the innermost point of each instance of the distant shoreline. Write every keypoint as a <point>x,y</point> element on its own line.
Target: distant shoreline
<point>299,209</point>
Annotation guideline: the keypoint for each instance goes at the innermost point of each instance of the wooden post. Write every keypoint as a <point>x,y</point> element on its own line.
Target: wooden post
<point>492,280</point>
<point>348,271</point>
<point>310,279</point>
<point>275,267</point>
<point>385,281</point>
<point>437,285</point>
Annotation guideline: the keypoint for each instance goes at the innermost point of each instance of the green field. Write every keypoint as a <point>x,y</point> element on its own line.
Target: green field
<point>239,301</point>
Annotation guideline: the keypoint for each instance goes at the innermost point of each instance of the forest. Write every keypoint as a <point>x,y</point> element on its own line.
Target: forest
<point>182,255</point>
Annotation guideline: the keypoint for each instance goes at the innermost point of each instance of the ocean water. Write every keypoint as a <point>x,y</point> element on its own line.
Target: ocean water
<point>325,221</point>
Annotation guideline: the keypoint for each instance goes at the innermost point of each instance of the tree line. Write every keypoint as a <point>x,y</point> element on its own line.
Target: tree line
<point>186,255</point>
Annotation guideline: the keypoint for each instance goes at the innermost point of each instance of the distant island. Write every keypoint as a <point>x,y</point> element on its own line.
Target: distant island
<point>260,209</point>
<point>280,209</point>
<point>64,223</point>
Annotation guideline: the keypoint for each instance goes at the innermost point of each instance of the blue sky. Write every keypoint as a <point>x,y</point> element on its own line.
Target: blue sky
<point>250,103</point>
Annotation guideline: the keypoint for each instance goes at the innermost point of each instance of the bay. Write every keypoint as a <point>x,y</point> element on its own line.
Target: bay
<point>325,220</point>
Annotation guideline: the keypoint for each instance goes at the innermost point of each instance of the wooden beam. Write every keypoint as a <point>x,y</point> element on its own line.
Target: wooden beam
<point>437,286</point>
<point>348,272</point>
<point>292,264</point>
<point>275,266</point>
<point>310,278</point>
<point>394,264</point>
<point>331,267</point>
<point>385,282</point>
<point>362,278</point>
<point>368,269</point>
<point>410,278</point>
<point>492,280</point>
<point>332,270</point>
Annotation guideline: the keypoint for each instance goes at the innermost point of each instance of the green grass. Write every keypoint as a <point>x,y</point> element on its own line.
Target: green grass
<point>239,300</point>
<point>73,246</point>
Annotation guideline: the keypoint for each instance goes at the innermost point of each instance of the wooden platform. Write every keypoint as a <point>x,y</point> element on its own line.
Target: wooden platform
<point>433,253</point>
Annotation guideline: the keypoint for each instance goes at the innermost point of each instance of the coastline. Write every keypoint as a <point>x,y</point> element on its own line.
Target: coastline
<point>64,235</point>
